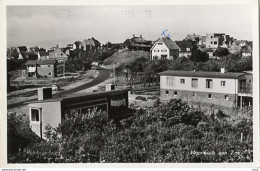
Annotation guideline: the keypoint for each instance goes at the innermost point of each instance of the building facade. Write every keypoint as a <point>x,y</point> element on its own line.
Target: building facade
<point>41,68</point>
<point>164,48</point>
<point>216,88</point>
<point>215,40</point>
<point>58,55</point>
<point>51,111</point>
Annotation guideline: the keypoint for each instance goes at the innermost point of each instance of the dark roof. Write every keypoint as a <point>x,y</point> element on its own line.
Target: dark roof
<point>169,43</point>
<point>232,75</point>
<point>71,96</point>
<point>40,62</point>
<point>43,53</point>
<point>184,44</point>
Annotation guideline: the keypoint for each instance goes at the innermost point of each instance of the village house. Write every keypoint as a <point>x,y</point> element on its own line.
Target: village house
<point>91,44</point>
<point>58,55</point>
<point>216,40</point>
<point>197,40</point>
<point>137,43</point>
<point>216,88</point>
<point>43,55</point>
<point>186,48</point>
<point>78,45</point>
<point>52,111</point>
<point>246,51</point>
<point>41,68</point>
<point>164,48</point>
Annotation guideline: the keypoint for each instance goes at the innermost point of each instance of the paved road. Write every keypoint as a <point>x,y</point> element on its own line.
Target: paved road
<point>104,74</point>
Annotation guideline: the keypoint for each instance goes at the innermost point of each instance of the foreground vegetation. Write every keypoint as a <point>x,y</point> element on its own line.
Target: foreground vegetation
<point>167,132</point>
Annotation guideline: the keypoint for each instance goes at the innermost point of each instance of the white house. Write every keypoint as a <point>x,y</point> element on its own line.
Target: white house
<point>164,48</point>
<point>218,88</point>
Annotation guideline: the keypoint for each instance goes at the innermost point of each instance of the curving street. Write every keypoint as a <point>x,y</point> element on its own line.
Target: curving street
<point>103,75</point>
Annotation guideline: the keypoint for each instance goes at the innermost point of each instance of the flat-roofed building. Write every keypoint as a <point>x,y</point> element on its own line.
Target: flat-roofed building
<point>219,88</point>
<point>51,111</point>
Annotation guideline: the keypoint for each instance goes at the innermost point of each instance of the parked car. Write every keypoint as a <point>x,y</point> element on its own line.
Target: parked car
<point>55,87</point>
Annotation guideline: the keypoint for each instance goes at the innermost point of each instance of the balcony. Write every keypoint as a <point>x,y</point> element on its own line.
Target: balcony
<point>245,89</point>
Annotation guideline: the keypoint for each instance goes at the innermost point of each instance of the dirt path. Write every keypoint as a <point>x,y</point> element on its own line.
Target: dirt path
<point>69,89</point>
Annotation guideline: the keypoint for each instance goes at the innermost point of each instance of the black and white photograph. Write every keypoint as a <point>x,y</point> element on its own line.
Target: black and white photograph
<point>131,83</point>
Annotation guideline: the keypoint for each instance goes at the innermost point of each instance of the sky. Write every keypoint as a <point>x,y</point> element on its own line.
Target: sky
<point>48,26</point>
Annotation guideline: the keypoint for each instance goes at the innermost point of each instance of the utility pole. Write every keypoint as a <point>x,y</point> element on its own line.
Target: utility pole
<point>64,69</point>
<point>114,74</point>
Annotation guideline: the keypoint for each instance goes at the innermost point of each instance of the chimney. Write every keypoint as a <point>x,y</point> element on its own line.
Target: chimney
<point>222,70</point>
<point>133,36</point>
<point>140,36</point>
<point>44,93</point>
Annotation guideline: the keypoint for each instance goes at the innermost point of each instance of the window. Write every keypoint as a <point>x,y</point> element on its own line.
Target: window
<point>209,96</point>
<point>38,66</point>
<point>159,43</point>
<point>209,83</point>
<point>223,83</point>
<point>250,81</point>
<point>188,49</point>
<point>167,92</point>
<point>50,73</point>
<point>49,65</point>
<point>194,94</point>
<point>175,93</point>
<point>211,37</point>
<point>194,83</point>
<point>215,42</point>
<point>211,42</point>
<point>156,50</point>
<point>170,81</point>
<point>35,115</point>
<point>226,97</point>
<point>164,50</point>
<point>182,81</point>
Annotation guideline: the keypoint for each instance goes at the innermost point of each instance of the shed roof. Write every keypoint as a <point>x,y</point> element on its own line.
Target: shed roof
<point>231,75</point>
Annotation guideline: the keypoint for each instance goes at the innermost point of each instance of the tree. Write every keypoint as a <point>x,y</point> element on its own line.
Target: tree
<point>167,132</point>
<point>220,52</point>
<point>199,56</point>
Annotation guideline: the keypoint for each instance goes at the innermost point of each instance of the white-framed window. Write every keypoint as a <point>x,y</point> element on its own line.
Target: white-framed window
<point>170,81</point>
<point>156,50</point>
<point>182,81</point>
<point>35,114</point>
<point>226,97</point>
<point>167,92</point>
<point>209,96</point>
<point>194,83</point>
<point>223,83</point>
<point>175,93</point>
